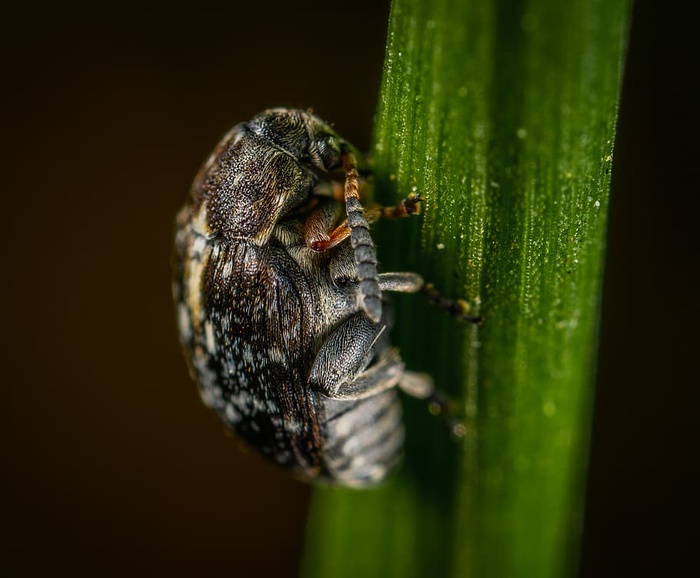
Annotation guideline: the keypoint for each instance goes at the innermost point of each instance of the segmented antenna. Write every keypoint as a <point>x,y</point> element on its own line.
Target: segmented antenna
<point>362,244</point>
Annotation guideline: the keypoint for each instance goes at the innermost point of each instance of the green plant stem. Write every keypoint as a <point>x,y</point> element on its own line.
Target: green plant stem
<point>502,114</point>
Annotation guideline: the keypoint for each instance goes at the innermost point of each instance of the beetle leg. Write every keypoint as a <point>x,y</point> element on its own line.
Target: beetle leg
<point>332,189</point>
<point>407,207</point>
<point>336,189</point>
<point>317,228</point>
<point>340,369</point>
<point>319,233</point>
<point>414,283</point>
<point>458,308</point>
<point>418,385</point>
<point>401,282</point>
<point>384,374</point>
<point>422,386</point>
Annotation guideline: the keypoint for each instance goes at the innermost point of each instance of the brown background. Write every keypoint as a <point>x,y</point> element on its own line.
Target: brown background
<point>109,461</point>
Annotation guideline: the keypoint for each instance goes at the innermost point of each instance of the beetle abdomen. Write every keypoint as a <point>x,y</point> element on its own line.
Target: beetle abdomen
<point>362,438</point>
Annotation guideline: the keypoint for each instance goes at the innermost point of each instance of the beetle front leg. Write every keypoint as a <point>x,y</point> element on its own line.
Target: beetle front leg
<point>407,207</point>
<point>319,233</point>
<point>340,370</point>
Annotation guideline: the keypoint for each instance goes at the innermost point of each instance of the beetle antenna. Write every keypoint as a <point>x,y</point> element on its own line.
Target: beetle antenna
<point>362,244</point>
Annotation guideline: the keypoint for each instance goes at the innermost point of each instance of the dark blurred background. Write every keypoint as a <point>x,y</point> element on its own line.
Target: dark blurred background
<point>110,462</point>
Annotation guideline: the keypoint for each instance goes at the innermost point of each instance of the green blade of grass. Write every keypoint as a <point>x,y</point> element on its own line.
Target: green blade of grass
<point>502,115</point>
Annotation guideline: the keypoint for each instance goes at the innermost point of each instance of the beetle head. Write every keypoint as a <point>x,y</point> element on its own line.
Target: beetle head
<point>302,135</point>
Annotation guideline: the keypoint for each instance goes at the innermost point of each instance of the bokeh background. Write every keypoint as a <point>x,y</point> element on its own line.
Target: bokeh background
<point>110,464</point>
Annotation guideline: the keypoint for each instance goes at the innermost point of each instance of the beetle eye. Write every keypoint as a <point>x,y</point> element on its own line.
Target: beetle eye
<point>328,152</point>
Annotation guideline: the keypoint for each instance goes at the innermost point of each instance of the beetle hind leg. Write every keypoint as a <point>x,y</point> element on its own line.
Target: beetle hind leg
<point>355,361</point>
<point>457,308</point>
<point>422,386</point>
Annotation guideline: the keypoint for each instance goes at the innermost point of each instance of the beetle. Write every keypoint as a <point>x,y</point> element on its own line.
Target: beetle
<point>281,309</point>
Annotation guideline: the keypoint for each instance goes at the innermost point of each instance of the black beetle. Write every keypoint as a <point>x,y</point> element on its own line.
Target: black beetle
<point>280,303</point>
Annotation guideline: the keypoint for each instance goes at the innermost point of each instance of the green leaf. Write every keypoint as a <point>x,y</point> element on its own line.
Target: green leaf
<point>502,115</point>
